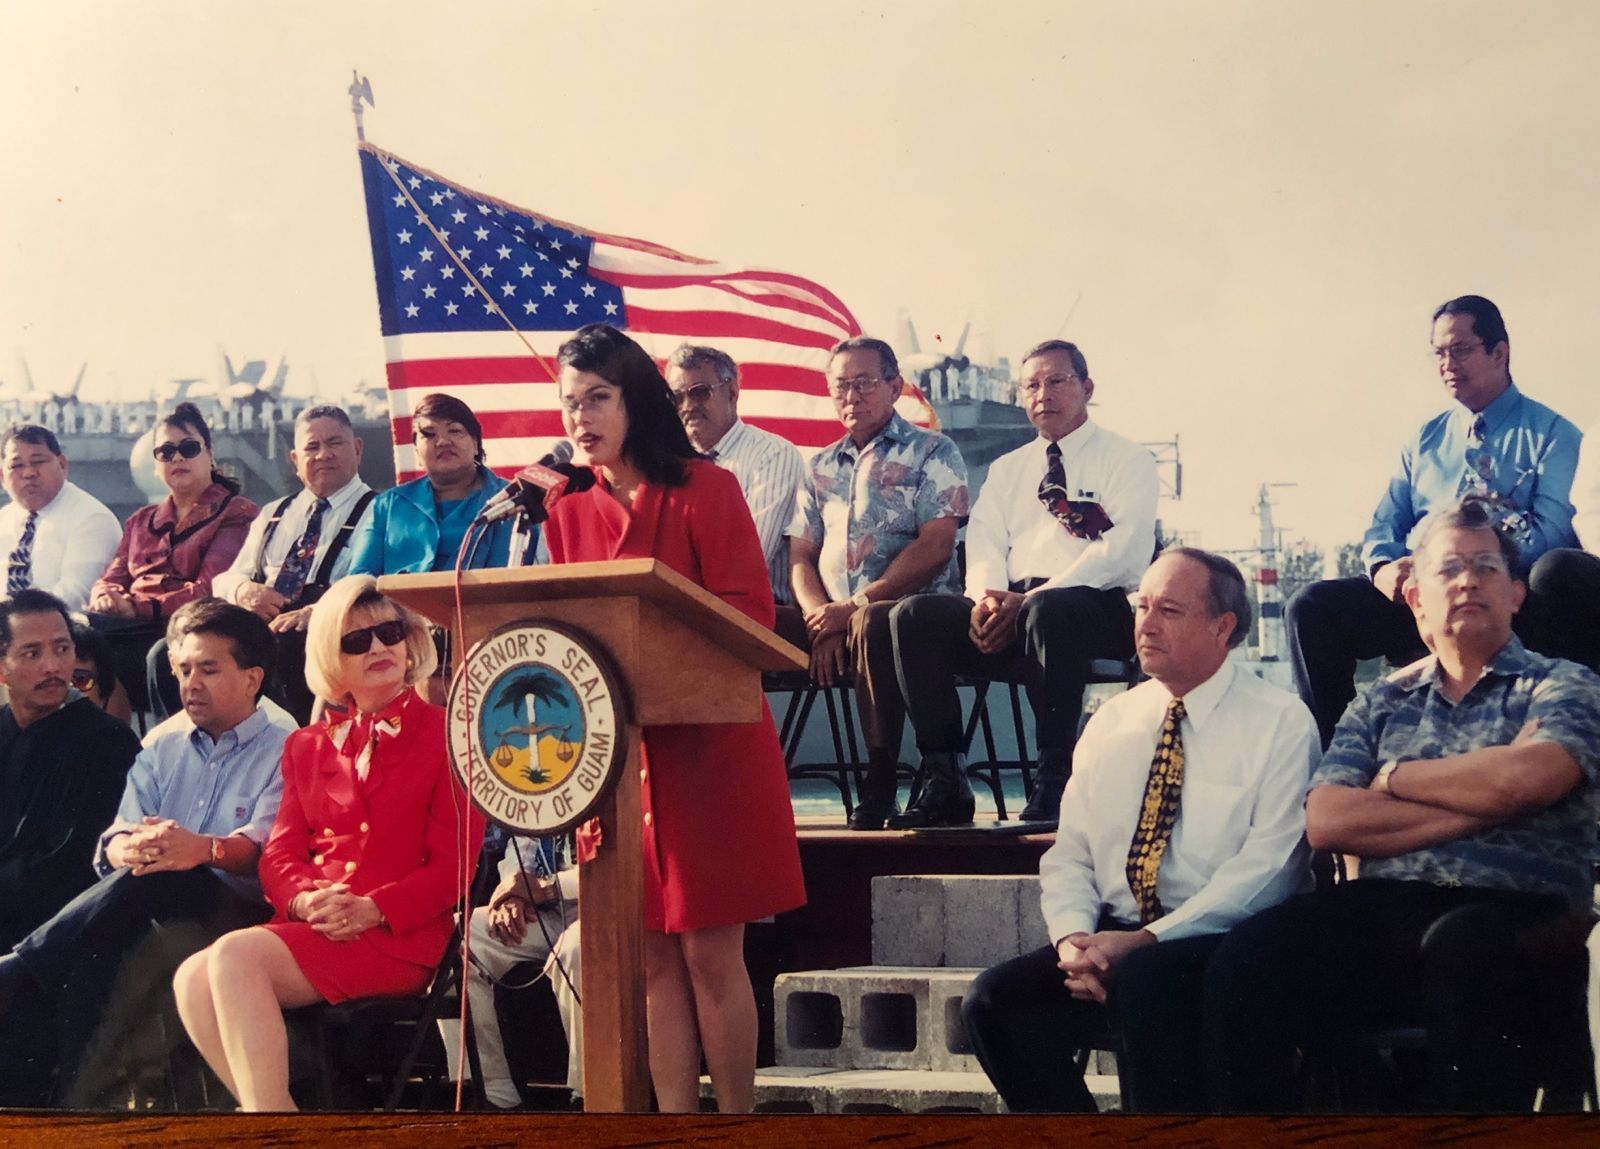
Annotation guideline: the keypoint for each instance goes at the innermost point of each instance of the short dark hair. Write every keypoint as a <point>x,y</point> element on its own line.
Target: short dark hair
<point>1470,514</point>
<point>1487,322</point>
<point>888,364</point>
<point>32,434</point>
<point>449,409</point>
<point>1080,365</point>
<point>324,411</point>
<point>29,600</point>
<point>92,645</point>
<point>253,643</point>
<point>656,442</point>
<point>1225,589</point>
<point>187,417</point>
<point>688,356</point>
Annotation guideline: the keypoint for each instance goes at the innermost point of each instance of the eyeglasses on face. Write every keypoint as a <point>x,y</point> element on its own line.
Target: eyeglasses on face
<point>1456,352</point>
<point>390,633</point>
<point>699,393</point>
<point>1484,564</point>
<point>1053,383</point>
<point>188,448</point>
<point>861,386</point>
<point>83,680</point>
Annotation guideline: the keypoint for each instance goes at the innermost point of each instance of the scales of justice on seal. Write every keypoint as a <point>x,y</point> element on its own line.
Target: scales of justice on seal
<point>564,665</point>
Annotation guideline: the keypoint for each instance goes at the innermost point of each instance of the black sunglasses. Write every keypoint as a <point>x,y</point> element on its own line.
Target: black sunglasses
<point>360,641</point>
<point>189,448</point>
<point>83,680</point>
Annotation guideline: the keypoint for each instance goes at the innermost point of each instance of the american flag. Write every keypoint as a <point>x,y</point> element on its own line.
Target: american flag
<point>475,295</point>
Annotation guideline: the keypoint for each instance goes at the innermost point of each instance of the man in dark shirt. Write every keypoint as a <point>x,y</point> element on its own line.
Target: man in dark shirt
<point>63,762</point>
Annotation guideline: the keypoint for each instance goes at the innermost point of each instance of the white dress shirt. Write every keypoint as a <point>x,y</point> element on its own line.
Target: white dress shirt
<point>1586,491</point>
<point>73,541</point>
<point>1239,842</point>
<point>1011,536</point>
<point>287,534</point>
<point>769,469</point>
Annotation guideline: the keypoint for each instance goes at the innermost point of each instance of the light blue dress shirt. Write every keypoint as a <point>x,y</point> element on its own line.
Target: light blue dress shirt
<point>230,785</point>
<point>1531,454</point>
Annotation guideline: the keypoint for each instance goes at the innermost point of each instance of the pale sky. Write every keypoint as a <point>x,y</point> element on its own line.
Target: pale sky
<point>1259,204</point>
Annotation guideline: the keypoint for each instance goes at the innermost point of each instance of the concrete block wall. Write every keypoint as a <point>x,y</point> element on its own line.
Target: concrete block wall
<point>972,920</point>
<point>874,1017</point>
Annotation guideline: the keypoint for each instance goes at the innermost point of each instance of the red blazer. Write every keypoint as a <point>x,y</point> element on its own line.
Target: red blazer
<point>407,837</point>
<point>162,563</point>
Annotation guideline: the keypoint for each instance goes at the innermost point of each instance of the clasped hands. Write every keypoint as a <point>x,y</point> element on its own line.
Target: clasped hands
<point>994,620</point>
<point>509,904</point>
<point>113,602</point>
<point>334,912</point>
<point>1089,960</point>
<point>159,846</point>
<point>826,626</point>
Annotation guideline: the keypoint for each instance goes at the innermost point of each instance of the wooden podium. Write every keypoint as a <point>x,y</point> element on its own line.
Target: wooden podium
<point>684,657</point>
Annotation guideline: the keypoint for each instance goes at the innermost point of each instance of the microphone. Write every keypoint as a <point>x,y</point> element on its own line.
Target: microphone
<point>537,487</point>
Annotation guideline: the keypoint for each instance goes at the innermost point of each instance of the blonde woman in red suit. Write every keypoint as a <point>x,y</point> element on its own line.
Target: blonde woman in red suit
<point>719,839</point>
<point>364,863</point>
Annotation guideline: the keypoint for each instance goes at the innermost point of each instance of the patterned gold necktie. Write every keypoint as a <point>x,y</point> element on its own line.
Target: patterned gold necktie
<point>1157,814</point>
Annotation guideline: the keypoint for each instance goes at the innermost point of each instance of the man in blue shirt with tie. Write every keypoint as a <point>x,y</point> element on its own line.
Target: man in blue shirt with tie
<point>1494,443</point>
<point>200,801</point>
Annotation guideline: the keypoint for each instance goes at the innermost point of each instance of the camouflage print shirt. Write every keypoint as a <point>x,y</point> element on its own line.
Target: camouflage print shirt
<point>862,506</point>
<point>1407,716</point>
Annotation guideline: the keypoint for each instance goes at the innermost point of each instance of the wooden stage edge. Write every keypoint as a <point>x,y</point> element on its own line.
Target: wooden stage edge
<point>575,1131</point>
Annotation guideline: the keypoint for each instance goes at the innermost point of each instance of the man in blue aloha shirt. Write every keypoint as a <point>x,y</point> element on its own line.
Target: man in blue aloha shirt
<point>1466,785</point>
<point>875,519</point>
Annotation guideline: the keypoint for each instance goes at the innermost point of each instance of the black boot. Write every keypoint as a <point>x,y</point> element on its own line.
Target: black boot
<point>945,798</point>
<point>878,800</point>
<point>1048,781</point>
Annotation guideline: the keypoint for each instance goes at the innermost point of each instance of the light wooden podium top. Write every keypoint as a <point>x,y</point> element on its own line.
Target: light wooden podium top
<point>433,595</point>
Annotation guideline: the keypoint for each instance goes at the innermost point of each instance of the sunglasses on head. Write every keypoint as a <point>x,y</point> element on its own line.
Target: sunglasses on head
<point>189,448</point>
<point>360,641</point>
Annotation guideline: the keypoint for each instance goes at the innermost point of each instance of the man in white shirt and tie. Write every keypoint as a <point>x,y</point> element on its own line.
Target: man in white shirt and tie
<point>300,544</point>
<point>1061,532</point>
<point>53,535</point>
<point>705,387</point>
<point>1184,817</point>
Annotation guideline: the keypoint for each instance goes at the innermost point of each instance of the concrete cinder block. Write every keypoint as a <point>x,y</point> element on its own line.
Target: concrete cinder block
<point>980,920</point>
<point>809,1019</point>
<point>873,1017</point>
<point>1031,930</point>
<point>907,920</point>
<point>782,1089</point>
<point>944,1037</point>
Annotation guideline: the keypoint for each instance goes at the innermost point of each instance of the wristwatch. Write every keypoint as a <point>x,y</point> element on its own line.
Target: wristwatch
<point>1381,782</point>
<point>216,851</point>
<point>859,599</point>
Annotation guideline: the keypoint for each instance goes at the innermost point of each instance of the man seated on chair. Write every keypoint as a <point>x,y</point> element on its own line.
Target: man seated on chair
<point>1495,442</point>
<point>53,534</point>
<point>705,387</point>
<point>526,920</point>
<point>300,544</point>
<point>198,804</point>
<point>1182,818</point>
<point>1466,785</point>
<point>875,520</point>
<point>63,763</point>
<point>1060,534</point>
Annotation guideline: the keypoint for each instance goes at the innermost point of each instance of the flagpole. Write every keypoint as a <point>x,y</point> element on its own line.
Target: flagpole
<point>360,89</point>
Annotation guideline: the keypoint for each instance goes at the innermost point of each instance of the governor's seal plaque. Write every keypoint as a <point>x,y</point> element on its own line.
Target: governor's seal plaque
<point>537,730</point>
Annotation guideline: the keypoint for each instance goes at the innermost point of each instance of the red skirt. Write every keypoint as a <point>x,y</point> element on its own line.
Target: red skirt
<point>356,968</point>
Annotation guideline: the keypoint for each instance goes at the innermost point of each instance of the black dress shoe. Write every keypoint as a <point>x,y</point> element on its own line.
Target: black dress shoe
<point>945,798</point>
<point>874,812</point>
<point>14,980</point>
<point>1045,805</point>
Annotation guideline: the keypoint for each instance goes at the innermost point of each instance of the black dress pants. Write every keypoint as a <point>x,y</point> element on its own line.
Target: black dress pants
<point>1059,632</point>
<point>75,958</point>
<point>1497,979</point>
<point>1027,1029</point>
<point>1561,616</point>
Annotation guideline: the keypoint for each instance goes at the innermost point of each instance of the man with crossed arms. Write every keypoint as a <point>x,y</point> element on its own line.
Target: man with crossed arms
<point>1182,817</point>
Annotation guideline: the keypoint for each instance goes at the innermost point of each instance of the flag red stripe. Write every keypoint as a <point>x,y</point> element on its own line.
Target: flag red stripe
<point>710,324</point>
<point>733,286</point>
<point>435,373</point>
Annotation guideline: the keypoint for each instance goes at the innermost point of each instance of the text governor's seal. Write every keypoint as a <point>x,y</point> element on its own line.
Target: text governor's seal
<point>537,726</point>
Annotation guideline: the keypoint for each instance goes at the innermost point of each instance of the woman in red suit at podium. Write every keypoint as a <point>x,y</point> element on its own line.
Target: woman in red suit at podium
<point>719,839</point>
<point>364,862</point>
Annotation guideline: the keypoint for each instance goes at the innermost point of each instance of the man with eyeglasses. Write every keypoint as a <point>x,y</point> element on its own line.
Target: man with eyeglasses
<point>182,847</point>
<point>705,387</point>
<point>1495,443</point>
<point>1465,783</point>
<point>875,520</point>
<point>1063,530</point>
<point>53,534</point>
<point>63,762</point>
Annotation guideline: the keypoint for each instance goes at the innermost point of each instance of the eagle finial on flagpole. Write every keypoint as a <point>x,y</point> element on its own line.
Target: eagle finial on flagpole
<point>360,89</point>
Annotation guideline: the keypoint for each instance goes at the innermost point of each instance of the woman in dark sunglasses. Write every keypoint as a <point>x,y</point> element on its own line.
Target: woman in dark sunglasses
<point>367,793</point>
<point>170,551</point>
